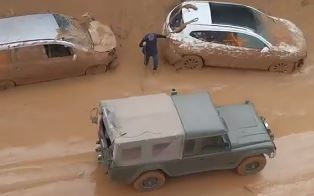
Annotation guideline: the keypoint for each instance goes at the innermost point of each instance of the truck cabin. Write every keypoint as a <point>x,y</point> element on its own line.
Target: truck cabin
<point>205,131</point>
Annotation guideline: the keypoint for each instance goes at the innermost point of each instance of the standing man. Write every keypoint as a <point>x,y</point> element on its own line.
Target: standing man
<point>149,48</point>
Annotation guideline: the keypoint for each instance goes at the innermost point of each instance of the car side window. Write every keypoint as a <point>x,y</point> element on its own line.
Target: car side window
<point>212,144</point>
<point>29,53</point>
<point>229,38</point>
<point>58,50</point>
<point>249,41</point>
<point>219,37</point>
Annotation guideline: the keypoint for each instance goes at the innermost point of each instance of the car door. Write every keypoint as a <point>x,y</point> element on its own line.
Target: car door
<point>255,55</point>
<point>63,61</point>
<point>27,64</point>
<point>215,47</point>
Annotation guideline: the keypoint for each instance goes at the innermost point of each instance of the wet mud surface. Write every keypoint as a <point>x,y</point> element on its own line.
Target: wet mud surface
<point>47,141</point>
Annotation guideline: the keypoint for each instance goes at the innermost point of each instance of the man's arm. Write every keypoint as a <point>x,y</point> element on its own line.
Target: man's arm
<point>141,43</point>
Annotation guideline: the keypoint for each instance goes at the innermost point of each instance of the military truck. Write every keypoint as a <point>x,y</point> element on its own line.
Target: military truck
<point>143,139</point>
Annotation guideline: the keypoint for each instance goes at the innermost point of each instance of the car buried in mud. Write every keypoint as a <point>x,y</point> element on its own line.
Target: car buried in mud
<point>205,33</point>
<point>143,139</point>
<point>47,46</point>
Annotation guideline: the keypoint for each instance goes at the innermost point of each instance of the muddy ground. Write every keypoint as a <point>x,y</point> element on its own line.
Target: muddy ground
<point>47,141</point>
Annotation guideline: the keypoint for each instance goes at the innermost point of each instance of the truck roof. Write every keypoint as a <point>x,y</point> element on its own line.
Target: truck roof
<point>142,117</point>
<point>198,115</point>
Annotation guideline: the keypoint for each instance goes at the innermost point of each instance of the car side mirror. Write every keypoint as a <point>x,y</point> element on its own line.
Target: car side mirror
<point>74,58</point>
<point>265,50</point>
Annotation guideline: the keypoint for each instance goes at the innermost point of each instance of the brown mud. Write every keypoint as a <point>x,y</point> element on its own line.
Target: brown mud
<point>47,140</point>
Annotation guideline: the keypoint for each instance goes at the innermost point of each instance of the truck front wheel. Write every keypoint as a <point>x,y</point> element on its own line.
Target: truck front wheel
<point>149,181</point>
<point>251,165</point>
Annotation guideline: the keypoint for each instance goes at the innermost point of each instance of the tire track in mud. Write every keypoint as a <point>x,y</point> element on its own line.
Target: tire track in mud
<point>30,174</point>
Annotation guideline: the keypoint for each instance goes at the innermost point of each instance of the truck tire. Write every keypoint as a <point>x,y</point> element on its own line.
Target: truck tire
<point>251,165</point>
<point>149,181</point>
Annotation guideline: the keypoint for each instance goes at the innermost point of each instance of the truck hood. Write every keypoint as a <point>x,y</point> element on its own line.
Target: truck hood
<point>244,125</point>
<point>102,36</point>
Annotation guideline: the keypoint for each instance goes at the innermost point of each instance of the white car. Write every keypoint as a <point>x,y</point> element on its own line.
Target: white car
<point>232,35</point>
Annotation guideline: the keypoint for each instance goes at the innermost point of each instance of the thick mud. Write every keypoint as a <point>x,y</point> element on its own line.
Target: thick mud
<point>47,141</point>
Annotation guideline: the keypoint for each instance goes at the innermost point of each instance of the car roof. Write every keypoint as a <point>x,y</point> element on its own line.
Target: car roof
<point>219,13</point>
<point>28,27</point>
<point>198,115</point>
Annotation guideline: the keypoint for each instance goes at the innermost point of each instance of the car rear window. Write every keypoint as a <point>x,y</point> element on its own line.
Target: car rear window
<point>62,21</point>
<point>235,15</point>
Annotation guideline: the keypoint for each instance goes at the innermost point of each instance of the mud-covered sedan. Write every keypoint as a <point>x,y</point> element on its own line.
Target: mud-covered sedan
<point>47,46</point>
<point>232,35</point>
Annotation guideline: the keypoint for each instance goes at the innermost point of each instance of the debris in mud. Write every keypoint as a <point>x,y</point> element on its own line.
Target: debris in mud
<point>305,3</point>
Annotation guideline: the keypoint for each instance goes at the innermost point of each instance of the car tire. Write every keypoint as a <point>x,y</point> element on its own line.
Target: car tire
<point>6,84</point>
<point>149,181</point>
<point>251,165</point>
<point>190,62</point>
<point>96,69</point>
<point>281,67</point>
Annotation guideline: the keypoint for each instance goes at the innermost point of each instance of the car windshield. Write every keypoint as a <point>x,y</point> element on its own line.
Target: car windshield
<point>176,18</point>
<point>241,16</point>
<point>264,26</point>
<point>72,31</point>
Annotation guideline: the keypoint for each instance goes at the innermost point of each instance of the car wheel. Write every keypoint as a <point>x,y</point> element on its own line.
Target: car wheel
<point>281,68</point>
<point>96,69</point>
<point>4,85</point>
<point>251,165</point>
<point>190,62</point>
<point>149,181</point>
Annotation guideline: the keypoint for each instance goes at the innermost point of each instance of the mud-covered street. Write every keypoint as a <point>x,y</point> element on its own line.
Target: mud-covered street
<point>47,140</point>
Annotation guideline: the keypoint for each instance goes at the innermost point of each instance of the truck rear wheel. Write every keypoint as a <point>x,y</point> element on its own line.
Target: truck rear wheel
<point>251,165</point>
<point>149,181</point>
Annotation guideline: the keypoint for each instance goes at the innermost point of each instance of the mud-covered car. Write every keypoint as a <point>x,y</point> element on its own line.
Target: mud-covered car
<point>143,139</point>
<point>47,46</point>
<point>205,33</point>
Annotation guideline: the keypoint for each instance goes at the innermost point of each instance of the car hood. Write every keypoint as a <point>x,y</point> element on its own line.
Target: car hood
<point>102,37</point>
<point>287,37</point>
<point>243,124</point>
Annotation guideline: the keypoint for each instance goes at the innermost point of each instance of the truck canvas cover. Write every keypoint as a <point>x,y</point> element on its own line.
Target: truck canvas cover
<point>143,129</point>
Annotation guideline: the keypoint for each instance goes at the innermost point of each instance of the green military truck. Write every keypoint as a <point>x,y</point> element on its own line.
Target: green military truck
<point>144,139</point>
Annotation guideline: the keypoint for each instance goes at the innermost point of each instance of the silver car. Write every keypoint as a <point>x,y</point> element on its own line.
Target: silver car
<point>205,33</point>
<point>42,47</point>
